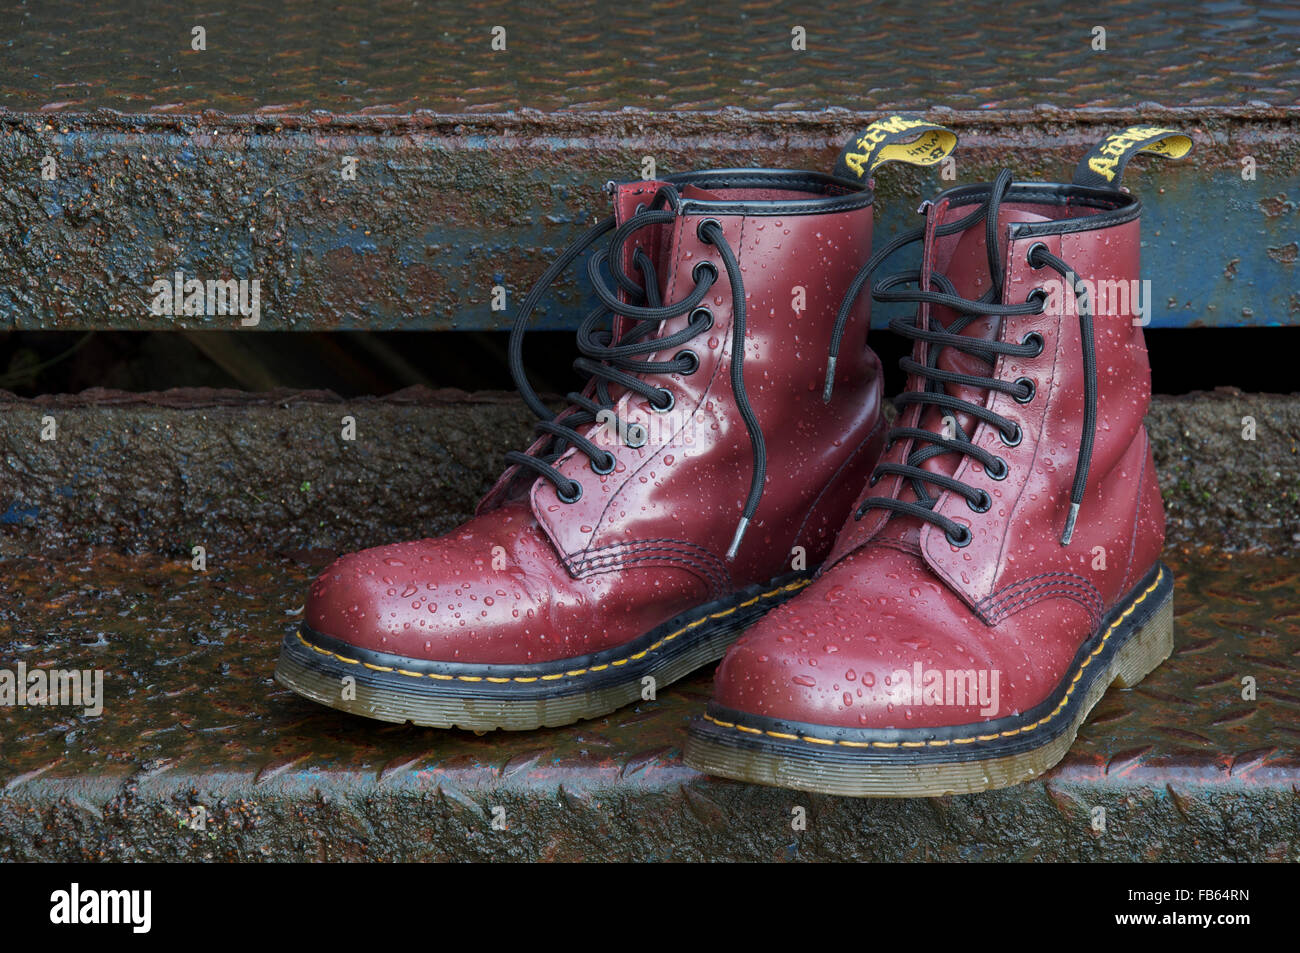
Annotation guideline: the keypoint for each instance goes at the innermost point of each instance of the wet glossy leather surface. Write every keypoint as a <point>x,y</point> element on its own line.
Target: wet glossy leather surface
<point>1014,600</point>
<point>648,540</point>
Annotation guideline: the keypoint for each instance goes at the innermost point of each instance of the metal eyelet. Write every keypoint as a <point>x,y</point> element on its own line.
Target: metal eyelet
<point>984,504</point>
<point>1033,250</point>
<point>875,478</point>
<point>699,229</point>
<point>1041,295</point>
<point>962,541</point>
<point>694,359</point>
<point>1036,339</point>
<point>634,436</point>
<point>1001,473</point>
<point>672,402</point>
<point>1031,391</point>
<point>574,498</point>
<point>640,207</point>
<point>706,322</point>
<point>695,272</point>
<point>1014,439</point>
<point>608,468</point>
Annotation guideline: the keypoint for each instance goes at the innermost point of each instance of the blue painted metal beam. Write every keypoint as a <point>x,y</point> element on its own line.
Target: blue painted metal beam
<point>441,209</point>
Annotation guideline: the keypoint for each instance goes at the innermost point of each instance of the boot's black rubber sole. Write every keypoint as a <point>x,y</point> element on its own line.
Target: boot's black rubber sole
<point>485,697</point>
<point>1130,643</point>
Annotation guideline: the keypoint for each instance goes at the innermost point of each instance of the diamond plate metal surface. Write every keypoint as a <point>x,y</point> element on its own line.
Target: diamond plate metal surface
<point>194,727</point>
<point>398,56</point>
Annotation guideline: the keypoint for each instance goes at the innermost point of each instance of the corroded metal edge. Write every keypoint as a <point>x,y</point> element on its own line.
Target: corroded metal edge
<point>445,208</point>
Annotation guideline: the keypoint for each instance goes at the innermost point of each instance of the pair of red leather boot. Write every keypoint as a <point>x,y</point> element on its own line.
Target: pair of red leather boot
<point>929,608</point>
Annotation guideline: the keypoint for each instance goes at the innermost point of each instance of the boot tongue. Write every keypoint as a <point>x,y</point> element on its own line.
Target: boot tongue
<point>652,239</point>
<point>967,267</point>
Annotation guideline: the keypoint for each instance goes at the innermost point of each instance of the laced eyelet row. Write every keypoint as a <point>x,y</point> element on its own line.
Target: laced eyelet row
<point>622,362</point>
<point>984,502</point>
<point>934,289</point>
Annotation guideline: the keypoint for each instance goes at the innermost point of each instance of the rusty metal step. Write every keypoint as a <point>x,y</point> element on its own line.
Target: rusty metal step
<point>194,731</point>
<point>199,755</point>
<point>474,166</point>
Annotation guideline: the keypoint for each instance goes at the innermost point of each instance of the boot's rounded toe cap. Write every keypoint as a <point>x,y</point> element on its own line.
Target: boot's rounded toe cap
<point>490,593</point>
<point>864,648</point>
<point>482,594</point>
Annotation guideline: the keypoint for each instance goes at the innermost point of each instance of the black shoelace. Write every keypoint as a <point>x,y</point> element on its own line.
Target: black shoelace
<point>930,444</point>
<point>607,362</point>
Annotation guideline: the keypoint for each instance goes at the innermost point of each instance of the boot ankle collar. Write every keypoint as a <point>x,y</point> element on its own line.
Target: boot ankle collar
<point>825,193</point>
<point>1115,207</point>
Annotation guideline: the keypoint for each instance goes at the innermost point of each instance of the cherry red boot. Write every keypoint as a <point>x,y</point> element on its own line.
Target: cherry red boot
<point>690,487</point>
<point>1002,568</point>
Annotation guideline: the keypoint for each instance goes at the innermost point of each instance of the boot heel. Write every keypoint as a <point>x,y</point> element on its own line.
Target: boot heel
<point>1148,647</point>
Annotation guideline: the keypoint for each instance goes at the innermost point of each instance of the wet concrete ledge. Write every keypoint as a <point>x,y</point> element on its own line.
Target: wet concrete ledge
<point>232,471</point>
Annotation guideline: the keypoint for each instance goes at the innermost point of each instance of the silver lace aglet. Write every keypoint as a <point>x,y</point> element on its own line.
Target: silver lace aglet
<point>735,540</point>
<point>830,380</point>
<point>1069,524</point>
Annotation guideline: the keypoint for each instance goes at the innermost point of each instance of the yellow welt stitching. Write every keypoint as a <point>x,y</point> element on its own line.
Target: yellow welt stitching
<point>790,587</point>
<point>1024,729</point>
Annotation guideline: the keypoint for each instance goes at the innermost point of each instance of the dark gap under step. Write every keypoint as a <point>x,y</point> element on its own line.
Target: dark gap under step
<point>358,363</point>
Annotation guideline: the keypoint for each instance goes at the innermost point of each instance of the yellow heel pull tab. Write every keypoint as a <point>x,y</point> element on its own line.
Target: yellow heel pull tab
<point>895,138</point>
<point>1103,166</point>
